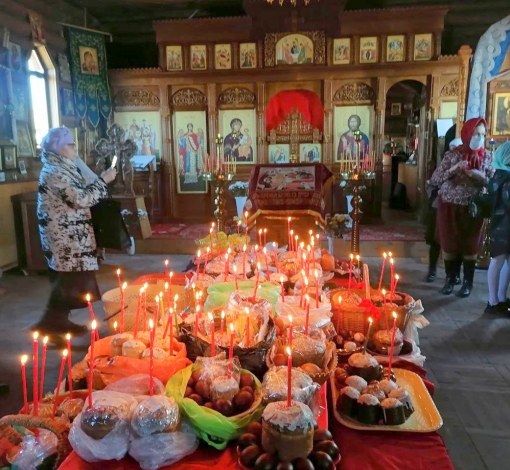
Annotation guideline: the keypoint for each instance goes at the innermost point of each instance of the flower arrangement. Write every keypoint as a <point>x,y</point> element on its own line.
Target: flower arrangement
<point>239,189</point>
<point>132,219</point>
<point>336,225</point>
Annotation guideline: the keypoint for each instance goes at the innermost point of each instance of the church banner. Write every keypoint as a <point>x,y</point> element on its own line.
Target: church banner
<point>89,74</point>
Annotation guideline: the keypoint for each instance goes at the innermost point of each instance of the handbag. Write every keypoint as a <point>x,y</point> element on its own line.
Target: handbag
<point>109,226</point>
<point>480,205</point>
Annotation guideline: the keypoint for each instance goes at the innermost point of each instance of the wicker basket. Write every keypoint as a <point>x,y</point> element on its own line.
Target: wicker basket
<point>57,426</point>
<point>354,318</point>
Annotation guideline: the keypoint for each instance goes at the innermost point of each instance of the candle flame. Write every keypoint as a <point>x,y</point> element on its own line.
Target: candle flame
<point>226,256</point>
<point>289,351</point>
<point>198,253</point>
<point>391,260</point>
<point>385,255</point>
<point>316,273</point>
<point>229,251</point>
<point>65,352</point>
<point>310,232</point>
<point>24,359</point>
<point>289,219</point>
<point>193,286</point>
<point>157,298</point>
<point>141,290</point>
<point>151,323</point>
<point>36,335</point>
<point>303,273</point>
<point>265,230</point>
<point>94,324</point>
<point>87,297</point>
<point>197,308</point>
<point>340,298</point>
<point>166,262</point>
<point>213,224</point>
<point>292,232</point>
<point>239,222</point>
<point>290,319</point>
<point>124,286</point>
<point>352,256</point>
<point>210,316</point>
<point>358,257</point>
<point>274,245</point>
<point>246,214</point>
<point>258,266</point>
<point>369,320</point>
<point>397,277</point>
<point>256,248</point>
<point>307,298</point>
<point>244,247</point>
<point>296,238</point>
<point>222,314</point>
<point>231,327</point>
<point>260,232</point>
<point>383,292</point>
<point>210,231</point>
<point>115,325</point>
<point>246,310</point>
<point>176,297</point>
<point>45,340</point>
<point>208,251</point>
<point>68,336</point>
<point>235,269</point>
<point>118,272</point>
<point>282,279</point>
<point>306,281</point>
<point>264,250</point>
<point>394,315</point>
<point>390,254</point>
<point>166,285</point>
<point>317,236</point>
<point>145,286</point>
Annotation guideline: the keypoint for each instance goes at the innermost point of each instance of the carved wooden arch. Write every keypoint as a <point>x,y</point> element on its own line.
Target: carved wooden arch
<point>236,97</point>
<point>139,98</point>
<point>450,89</point>
<point>358,92</point>
<point>394,81</point>
<point>188,98</point>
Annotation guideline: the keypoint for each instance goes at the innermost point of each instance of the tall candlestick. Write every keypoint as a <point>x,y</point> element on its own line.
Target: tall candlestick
<point>367,335</point>
<point>307,320</point>
<point>358,258</point>
<point>151,358</point>
<point>227,265</point>
<point>115,326</point>
<point>91,310</point>
<point>244,261</point>
<point>211,238</point>
<point>91,360</point>
<point>291,241</point>
<point>170,320</point>
<point>256,281</point>
<point>238,226</point>
<point>264,250</point>
<point>289,376</point>
<point>382,270</point>
<point>166,268</point>
<point>291,327</point>
<point>24,359</point>
<point>176,298</point>
<point>156,312</point>
<point>69,366</point>
<point>43,365</point>
<point>283,290</point>
<point>247,311</point>
<point>296,238</point>
<point>59,381</point>
<point>213,345</point>
<point>35,374</point>
<point>350,271</point>
<point>390,361</point>
<point>275,253</point>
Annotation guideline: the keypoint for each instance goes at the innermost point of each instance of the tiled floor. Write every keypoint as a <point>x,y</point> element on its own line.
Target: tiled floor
<point>468,353</point>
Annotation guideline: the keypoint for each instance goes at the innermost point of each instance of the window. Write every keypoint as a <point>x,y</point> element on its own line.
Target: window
<point>43,90</point>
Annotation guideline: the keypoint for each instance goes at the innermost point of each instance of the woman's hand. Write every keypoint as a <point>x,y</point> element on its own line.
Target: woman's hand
<point>476,174</point>
<point>109,175</point>
<point>460,166</point>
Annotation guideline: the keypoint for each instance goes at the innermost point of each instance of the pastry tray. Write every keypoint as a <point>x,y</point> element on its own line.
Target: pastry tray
<point>425,418</point>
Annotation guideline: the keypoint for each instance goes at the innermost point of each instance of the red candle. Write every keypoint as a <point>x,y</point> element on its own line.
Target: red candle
<point>166,268</point>
<point>283,290</point>
<point>222,323</point>
<point>296,238</point>
<point>227,265</point>
<point>91,360</point>
<point>169,324</point>
<point>197,261</point>
<point>289,376</point>
<point>151,357</point>
<point>256,281</point>
<point>176,298</point>
<point>35,374</point>
<point>338,314</point>
<point>91,310</point>
<point>382,270</point>
<point>24,359</point>
<point>316,288</point>
<point>207,252</point>
<point>288,233</point>
<point>291,327</point>
<point>307,313</point>
<point>43,365</point>
<point>265,236</point>
<point>213,345</point>
<point>392,344</point>
<point>392,278</point>
<point>246,226</point>
<point>122,306</point>
<point>144,302</point>
<point>397,277</point>
<point>350,271</point>
<point>244,262</point>
<point>235,277</point>
<point>358,257</point>
<point>267,264</point>
<point>275,253</point>
<point>238,226</point>
<point>156,313</point>
<point>118,278</point>
<point>59,382</point>
<point>247,311</point>
<point>291,241</point>
<point>137,317</point>
<point>231,348</point>
<point>260,237</point>
<point>115,325</point>
<point>69,365</point>
<point>197,315</point>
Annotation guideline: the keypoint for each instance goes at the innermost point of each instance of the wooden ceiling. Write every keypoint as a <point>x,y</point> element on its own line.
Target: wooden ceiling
<point>130,21</point>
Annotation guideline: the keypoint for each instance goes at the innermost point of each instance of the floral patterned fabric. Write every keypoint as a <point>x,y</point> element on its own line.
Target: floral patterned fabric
<point>455,186</point>
<point>63,211</point>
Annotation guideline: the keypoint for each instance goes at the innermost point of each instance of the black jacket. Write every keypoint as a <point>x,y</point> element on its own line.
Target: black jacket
<point>499,189</point>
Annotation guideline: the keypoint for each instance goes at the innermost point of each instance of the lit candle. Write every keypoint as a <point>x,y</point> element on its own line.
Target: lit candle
<point>247,311</point>
<point>213,346</point>
<point>392,275</point>
<point>235,277</point>
<point>210,238</point>
<point>382,270</point>
<point>176,298</point>
<point>350,271</point>
<point>338,314</point>
<point>156,311</point>
<point>197,261</point>
<point>392,344</point>
<point>91,360</point>
<point>91,310</point>
<point>260,237</point>
<point>43,365</point>
<point>291,327</point>
<point>316,288</point>
<point>238,227</point>
<point>115,325</point>
<point>289,376</point>
<point>307,313</point>
<point>283,290</point>
<point>227,265</point>
<point>207,253</point>
<point>169,324</point>
<point>166,268</point>
<point>197,315</point>
<point>144,302</point>
<point>275,253</point>
<point>118,278</point>
<point>256,281</point>
<point>367,335</point>
<point>35,374</point>
<point>358,257</point>
<point>69,365</point>
<point>59,382</point>
<point>244,261</point>
<point>137,317</point>
<point>264,250</point>
<point>296,238</point>
<point>122,307</point>
<point>231,348</point>
<point>397,277</point>
<point>222,322</point>
<point>24,359</point>
<point>291,241</point>
<point>288,233</point>
<point>151,357</point>
<point>265,236</point>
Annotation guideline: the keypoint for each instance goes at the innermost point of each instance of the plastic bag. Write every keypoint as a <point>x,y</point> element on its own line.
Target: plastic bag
<point>116,443</point>
<point>318,317</point>
<point>208,424</point>
<point>34,449</point>
<point>274,386</point>
<point>137,385</point>
<point>159,450</point>
<point>156,414</point>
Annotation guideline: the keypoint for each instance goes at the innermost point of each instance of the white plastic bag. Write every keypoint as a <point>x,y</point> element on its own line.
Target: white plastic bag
<point>159,450</point>
<point>35,449</point>
<point>137,385</point>
<point>416,320</point>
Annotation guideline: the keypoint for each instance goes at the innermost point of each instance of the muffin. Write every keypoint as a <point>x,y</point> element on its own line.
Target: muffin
<point>381,341</point>
<point>117,341</point>
<point>365,366</point>
<point>387,386</point>
<point>393,412</point>
<point>155,415</point>
<point>374,390</point>
<point>369,409</point>
<point>403,396</point>
<point>347,401</point>
<point>224,388</point>
<point>133,348</point>
<point>359,383</point>
<point>288,430</point>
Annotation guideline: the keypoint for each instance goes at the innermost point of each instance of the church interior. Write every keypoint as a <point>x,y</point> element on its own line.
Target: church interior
<point>226,121</point>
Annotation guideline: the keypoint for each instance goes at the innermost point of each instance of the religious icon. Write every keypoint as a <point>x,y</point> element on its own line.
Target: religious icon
<point>341,51</point>
<point>279,153</point>
<point>10,160</point>
<point>310,153</point>
<point>396,109</point>
<point>358,119</point>
<point>14,57</point>
<point>294,49</point>
<point>238,127</point>
<point>501,114</point>
<point>190,151</point>
<point>395,48</point>
<point>423,47</point>
<point>222,56</point>
<point>88,60</point>
<point>143,128</point>
<point>173,58</point>
<point>368,50</point>
<point>198,57</point>
<point>25,143</point>
<point>248,55</point>
<point>36,23</point>
<point>287,178</point>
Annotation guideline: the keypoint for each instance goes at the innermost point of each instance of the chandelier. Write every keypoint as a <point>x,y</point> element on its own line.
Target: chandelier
<point>293,2</point>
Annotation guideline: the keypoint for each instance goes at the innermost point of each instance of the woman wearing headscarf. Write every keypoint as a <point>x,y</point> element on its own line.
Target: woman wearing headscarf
<point>66,232</point>
<point>498,275</point>
<point>464,171</point>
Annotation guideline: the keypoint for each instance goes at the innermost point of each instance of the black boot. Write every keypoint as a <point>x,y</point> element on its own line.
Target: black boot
<point>449,267</point>
<point>434,252</point>
<point>458,265</point>
<point>431,275</point>
<point>469,274</point>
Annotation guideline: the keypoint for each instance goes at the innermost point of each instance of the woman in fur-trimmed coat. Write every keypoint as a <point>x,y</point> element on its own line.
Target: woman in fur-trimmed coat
<point>66,232</point>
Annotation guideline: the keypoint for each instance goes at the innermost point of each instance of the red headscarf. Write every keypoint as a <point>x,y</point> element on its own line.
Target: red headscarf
<point>473,157</point>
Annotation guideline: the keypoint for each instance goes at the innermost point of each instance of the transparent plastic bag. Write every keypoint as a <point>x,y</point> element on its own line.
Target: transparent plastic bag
<point>159,450</point>
<point>137,385</point>
<point>318,317</point>
<point>156,414</point>
<point>115,444</point>
<point>218,366</point>
<point>274,386</point>
<point>34,449</point>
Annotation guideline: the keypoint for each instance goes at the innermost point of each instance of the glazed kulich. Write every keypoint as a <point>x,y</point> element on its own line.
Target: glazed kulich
<point>288,430</point>
<point>365,366</point>
<point>117,341</point>
<point>133,348</point>
<point>369,409</point>
<point>381,341</point>
<point>224,387</point>
<point>403,396</point>
<point>347,402</point>
<point>274,385</point>
<point>155,415</point>
<point>393,412</point>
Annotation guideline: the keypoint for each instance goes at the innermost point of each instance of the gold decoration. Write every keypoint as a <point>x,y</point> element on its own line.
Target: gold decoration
<point>293,2</point>
<point>236,96</point>
<point>189,97</point>
<point>354,92</point>
<point>136,98</point>
<point>451,88</point>
<point>319,46</point>
<point>505,84</point>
